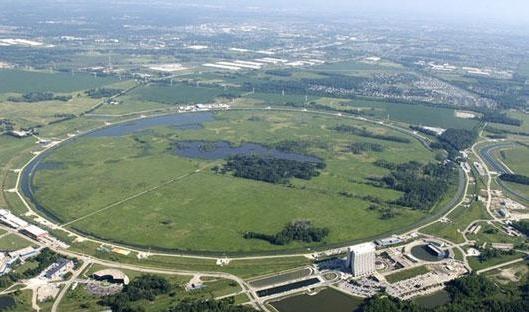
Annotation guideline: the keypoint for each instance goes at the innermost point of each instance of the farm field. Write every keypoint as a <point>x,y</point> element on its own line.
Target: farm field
<point>18,81</point>
<point>186,206</point>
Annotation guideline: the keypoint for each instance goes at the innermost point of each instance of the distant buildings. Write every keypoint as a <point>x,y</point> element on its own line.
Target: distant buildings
<point>361,259</point>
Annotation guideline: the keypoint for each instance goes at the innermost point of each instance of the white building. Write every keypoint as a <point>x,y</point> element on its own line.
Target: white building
<point>361,259</point>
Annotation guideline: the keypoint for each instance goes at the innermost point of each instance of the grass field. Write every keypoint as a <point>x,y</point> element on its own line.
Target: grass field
<point>459,220</point>
<point>203,211</point>
<point>18,81</point>
<point>517,159</point>
<point>406,274</point>
<point>80,299</point>
<point>12,242</point>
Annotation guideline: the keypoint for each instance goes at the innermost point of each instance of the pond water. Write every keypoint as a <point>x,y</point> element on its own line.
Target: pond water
<point>179,121</point>
<point>325,301</point>
<point>287,287</point>
<point>223,149</point>
<point>424,253</point>
<point>433,300</point>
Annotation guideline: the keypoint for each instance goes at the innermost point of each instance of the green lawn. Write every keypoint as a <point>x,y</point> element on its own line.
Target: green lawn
<point>204,211</point>
<point>13,242</point>
<point>460,219</point>
<point>406,274</point>
<point>517,159</point>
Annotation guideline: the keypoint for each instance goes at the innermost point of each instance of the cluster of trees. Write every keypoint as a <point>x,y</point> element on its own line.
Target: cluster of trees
<point>502,118</point>
<point>33,97</point>
<point>300,146</point>
<point>368,134</point>
<point>295,231</point>
<point>144,287</point>
<point>224,305</point>
<point>489,253</point>
<point>423,130</point>
<point>279,72</point>
<point>423,185</point>
<point>360,147</point>
<point>99,93</point>
<point>458,139</point>
<point>469,293</point>
<point>6,125</point>
<point>44,259</point>
<point>522,226</point>
<point>516,178</point>
<point>271,170</point>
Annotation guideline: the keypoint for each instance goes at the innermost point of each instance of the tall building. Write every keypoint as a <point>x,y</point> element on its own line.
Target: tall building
<point>361,259</point>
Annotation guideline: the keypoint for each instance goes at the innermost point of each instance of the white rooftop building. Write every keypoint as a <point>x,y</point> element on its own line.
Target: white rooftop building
<point>361,259</point>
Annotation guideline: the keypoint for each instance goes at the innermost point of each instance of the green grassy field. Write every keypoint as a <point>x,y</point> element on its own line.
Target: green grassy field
<point>203,211</point>
<point>80,299</point>
<point>517,159</point>
<point>459,220</point>
<point>406,274</point>
<point>13,242</point>
<point>19,81</point>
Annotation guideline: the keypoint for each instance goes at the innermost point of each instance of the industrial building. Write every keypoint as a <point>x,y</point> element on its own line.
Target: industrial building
<point>58,268</point>
<point>361,259</point>
<point>11,220</point>
<point>34,232</point>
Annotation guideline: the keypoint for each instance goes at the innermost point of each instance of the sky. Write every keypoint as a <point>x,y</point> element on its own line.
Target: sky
<point>507,11</point>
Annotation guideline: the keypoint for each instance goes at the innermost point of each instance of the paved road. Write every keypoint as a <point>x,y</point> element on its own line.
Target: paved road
<point>67,285</point>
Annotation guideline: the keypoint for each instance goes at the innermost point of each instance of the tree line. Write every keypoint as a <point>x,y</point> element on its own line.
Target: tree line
<point>515,178</point>
<point>302,231</point>
<point>32,97</point>
<point>368,134</point>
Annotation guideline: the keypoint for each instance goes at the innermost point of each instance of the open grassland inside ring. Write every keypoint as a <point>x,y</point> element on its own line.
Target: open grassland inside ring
<point>132,188</point>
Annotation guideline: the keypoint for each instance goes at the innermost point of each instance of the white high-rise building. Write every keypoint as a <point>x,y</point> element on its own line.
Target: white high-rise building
<point>361,259</point>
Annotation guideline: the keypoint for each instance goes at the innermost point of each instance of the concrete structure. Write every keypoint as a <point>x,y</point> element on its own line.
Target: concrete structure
<point>361,259</point>
<point>388,241</point>
<point>11,220</point>
<point>24,253</point>
<point>34,232</point>
<point>58,268</point>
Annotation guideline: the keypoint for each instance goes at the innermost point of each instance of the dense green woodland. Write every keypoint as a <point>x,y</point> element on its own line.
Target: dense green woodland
<point>423,185</point>
<point>522,226</point>
<point>271,170</point>
<point>368,134</point>
<point>459,139</point>
<point>468,294</point>
<point>516,178</point>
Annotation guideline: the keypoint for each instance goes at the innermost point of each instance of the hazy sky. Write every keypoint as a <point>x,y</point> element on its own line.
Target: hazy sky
<point>511,11</point>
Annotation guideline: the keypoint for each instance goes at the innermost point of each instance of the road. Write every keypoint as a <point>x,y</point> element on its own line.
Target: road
<point>67,285</point>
